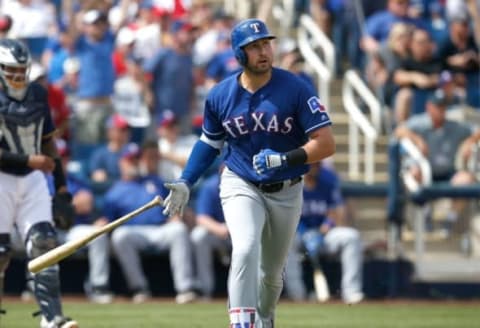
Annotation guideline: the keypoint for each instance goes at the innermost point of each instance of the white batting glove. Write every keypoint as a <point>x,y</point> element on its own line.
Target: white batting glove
<point>177,199</point>
<point>268,159</point>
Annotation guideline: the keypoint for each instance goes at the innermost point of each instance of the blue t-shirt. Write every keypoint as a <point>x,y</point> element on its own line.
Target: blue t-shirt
<point>317,202</point>
<point>279,116</point>
<point>208,199</point>
<point>222,65</point>
<point>378,25</point>
<point>172,81</point>
<point>104,159</point>
<point>96,76</point>
<point>126,196</point>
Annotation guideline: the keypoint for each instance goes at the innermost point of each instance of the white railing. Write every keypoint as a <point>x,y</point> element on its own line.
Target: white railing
<point>359,122</point>
<point>284,13</point>
<point>311,39</point>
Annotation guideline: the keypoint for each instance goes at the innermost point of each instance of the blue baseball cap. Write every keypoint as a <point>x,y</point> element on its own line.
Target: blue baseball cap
<point>180,25</point>
<point>130,151</point>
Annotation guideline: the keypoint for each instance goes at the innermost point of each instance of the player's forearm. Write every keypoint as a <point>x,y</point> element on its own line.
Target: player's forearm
<point>320,146</point>
<point>200,159</point>
<point>9,159</point>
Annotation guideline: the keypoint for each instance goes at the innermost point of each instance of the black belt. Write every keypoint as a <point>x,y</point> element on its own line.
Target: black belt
<point>276,186</point>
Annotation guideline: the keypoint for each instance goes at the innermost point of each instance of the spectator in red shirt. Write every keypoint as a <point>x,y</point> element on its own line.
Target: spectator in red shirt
<point>124,43</point>
<point>56,100</point>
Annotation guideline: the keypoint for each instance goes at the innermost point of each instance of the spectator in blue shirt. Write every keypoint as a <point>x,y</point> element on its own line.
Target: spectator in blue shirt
<point>171,70</point>
<point>223,62</point>
<point>377,26</point>
<point>94,44</point>
<point>103,164</point>
<point>322,231</point>
<point>210,234</point>
<point>150,230</point>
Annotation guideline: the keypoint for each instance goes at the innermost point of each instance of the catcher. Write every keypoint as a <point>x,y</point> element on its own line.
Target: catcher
<point>27,150</point>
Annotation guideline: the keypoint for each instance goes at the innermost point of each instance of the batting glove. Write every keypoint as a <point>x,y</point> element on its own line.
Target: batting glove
<point>268,159</point>
<point>177,199</point>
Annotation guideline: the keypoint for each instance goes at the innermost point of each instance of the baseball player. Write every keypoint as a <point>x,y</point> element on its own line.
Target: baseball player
<point>273,125</point>
<point>27,149</point>
<point>321,231</point>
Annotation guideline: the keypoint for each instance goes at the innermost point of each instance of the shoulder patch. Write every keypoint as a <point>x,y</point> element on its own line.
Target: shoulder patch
<point>315,105</point>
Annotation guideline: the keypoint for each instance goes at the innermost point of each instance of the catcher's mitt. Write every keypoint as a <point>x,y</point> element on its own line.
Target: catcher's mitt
<point>63,211</point>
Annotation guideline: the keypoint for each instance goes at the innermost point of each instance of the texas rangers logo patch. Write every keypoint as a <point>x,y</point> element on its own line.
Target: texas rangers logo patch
<point>315,105</point>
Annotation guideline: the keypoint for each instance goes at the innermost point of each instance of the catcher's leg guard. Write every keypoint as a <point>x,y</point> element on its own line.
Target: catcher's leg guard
<point>4,259</point>
<point>46,284</point>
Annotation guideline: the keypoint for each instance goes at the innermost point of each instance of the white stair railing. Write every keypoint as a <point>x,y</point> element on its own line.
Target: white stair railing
<point>360,123</point>
<point>319,54</point>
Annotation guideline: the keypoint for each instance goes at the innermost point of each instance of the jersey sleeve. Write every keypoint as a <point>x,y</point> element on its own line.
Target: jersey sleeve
<point>311,112</point>
<point>212,127</point>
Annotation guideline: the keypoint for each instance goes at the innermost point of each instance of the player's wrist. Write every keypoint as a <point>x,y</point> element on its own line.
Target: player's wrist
<point>295,157</point>
<point>9,159</point>
<point>185,182</point>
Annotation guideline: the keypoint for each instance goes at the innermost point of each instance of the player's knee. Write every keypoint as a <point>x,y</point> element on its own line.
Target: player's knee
<point>41,238</point>
<point>179,229</point>
<point>120,236</point>
<point>199,235</point>
<point>245,254</point>
<point>5,250</point>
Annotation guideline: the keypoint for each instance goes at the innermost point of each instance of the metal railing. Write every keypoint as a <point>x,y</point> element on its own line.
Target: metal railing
<point>319,54</point>
<point>360,123</point>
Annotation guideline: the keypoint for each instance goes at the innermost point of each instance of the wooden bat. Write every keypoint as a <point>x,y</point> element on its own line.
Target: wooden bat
<point>58,253</point>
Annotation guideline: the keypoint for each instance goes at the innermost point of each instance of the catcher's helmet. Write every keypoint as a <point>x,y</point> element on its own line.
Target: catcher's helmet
<point>245,32</point>
<point>15,63</point>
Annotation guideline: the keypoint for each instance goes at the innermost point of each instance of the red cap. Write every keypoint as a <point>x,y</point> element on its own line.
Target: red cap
<point>117,121</point>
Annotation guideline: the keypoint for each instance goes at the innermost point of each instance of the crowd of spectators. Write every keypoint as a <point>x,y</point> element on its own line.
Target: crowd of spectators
<point>121,73</point>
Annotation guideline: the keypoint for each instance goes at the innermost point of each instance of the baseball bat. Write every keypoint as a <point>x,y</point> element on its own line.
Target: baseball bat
<point>58,253</point>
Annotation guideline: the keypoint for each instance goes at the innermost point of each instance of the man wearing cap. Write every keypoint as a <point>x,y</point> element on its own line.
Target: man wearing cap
<point>171,70</point>
<point>103,164</point>
<point>150,230</point>
<point>56,99</point>
<point>174,147</point>
<point>94,45</point>
<point>440,140</point>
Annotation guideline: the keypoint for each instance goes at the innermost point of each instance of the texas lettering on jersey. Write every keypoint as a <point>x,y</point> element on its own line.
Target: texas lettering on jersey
<point>237,126</point>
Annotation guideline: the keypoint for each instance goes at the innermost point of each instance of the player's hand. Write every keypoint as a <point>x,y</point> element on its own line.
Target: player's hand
<point>63,210</point>
<point>41,162</point>
<point>268,159</point>
<point>177,199</point>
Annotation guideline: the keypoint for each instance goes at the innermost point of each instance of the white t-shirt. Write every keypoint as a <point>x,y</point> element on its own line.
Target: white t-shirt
<point>30,21</point>
<point>168,170</point>
<point>128,102</point>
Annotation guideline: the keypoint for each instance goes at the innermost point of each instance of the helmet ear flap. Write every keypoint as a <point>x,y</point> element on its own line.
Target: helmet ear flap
<point>241,56</point>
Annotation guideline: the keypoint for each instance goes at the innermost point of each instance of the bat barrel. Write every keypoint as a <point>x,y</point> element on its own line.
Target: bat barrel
<point>59,253</point>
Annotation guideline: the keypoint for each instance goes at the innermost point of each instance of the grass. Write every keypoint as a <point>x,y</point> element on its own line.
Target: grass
<point>213,315</point>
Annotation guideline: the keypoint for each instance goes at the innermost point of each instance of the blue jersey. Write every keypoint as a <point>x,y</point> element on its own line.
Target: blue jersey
<point>25,124</point>
<point>208,199</point>
<point>222,65</point>
<point>278,116</point>
<point>317,202</point>
<point>125,196</point>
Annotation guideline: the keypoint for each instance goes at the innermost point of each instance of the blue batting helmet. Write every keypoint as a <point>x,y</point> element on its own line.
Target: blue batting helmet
<point>245,32</point>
